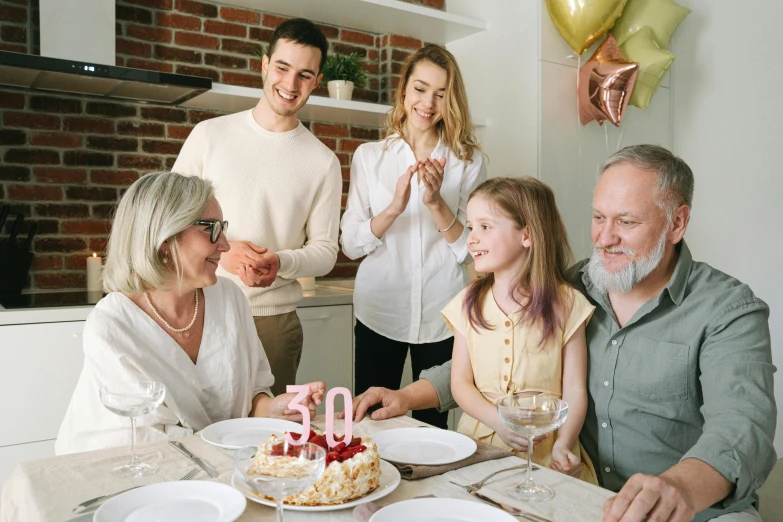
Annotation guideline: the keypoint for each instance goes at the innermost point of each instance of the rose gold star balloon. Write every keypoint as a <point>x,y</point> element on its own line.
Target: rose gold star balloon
<point>605,85</point>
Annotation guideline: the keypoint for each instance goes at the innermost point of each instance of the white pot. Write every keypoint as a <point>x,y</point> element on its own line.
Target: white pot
<point>340,89</point>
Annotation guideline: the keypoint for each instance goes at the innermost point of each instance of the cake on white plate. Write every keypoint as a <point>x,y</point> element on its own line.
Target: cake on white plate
<point>352,470</point>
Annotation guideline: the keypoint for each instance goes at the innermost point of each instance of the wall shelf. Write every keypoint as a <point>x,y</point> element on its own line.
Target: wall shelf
<point>233,98</point>
<point>374,16</point>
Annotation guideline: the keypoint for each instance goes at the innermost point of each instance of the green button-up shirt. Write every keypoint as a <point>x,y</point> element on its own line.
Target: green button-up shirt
<point>689,376</point>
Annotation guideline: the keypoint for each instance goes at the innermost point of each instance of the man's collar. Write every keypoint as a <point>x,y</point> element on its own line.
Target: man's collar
<point>682,270</point>
<point>676,285</point>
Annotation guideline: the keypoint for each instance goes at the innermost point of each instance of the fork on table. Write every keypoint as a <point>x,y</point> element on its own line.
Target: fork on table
<point>84,506</point>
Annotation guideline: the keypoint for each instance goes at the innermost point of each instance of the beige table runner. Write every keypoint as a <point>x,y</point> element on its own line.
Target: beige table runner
<point>46,490</point>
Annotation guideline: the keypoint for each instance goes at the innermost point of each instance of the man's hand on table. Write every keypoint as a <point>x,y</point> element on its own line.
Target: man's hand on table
<point>393,402</point>
<point>651,498</point>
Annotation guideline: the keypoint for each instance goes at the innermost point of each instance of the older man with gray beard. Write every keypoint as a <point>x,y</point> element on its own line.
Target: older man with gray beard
<point>681,414</point>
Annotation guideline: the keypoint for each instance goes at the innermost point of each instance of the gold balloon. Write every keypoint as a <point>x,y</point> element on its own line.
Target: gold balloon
<point>653,64</point>
<point>606,82</point>
<point>661,16</point>
<point>582,22</point>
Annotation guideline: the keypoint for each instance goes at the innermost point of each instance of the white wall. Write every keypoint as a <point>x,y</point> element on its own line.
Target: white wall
<point>728,126</point>
<point>501,76</point>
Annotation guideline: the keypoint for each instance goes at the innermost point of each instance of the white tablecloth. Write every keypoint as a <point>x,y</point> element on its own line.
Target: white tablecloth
<point>47,490</point>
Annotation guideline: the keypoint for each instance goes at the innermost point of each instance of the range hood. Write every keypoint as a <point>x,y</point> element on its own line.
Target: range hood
<point>57,74</point>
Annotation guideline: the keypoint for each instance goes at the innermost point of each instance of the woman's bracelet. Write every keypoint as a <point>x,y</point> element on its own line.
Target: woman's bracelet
<point>448,227</point>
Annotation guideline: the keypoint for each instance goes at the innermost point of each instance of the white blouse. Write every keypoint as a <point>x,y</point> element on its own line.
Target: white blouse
<point>411,273</point>
<point>123,343</point>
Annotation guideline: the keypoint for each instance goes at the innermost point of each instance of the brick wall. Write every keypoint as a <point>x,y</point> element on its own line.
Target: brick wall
<point>65,159</point>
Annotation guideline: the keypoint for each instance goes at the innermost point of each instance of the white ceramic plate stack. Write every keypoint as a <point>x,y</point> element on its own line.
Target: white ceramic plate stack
<point>440,509</point>
<point>423,446</point>
<point>390,479</point>
<point>180,501</point>
<point>251,431</point>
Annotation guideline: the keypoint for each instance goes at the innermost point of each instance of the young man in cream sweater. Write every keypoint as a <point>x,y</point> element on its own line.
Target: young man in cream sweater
<point>279,188</point>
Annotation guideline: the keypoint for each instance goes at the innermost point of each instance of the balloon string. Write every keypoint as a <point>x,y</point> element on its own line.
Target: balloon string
<point>578,122</point>
<point>606,138</point>
<point>620,139</point>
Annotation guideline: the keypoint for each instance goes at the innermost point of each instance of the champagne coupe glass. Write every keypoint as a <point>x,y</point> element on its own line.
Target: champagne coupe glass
<point>532,414</point>
<point>133,399</point>
<point>280,470</point>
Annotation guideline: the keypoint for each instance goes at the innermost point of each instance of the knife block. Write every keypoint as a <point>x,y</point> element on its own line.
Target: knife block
<point>14,266</point>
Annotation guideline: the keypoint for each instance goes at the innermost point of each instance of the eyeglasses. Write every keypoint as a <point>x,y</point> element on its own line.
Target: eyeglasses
<point>215,227</point>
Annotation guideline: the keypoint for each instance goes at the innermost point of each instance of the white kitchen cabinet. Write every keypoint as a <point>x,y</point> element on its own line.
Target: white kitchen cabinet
<point>327,353</point>
<point>39,366</point>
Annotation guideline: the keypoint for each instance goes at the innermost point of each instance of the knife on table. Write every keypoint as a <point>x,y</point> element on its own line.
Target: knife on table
<point>203,464</point>
<point>15,228</point>
<point>510,509</point>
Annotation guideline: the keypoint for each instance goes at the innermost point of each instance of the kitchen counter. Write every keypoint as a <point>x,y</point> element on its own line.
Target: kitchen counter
<point>327,293</point>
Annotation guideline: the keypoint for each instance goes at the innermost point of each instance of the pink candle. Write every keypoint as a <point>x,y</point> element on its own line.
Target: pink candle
<point>330,416</point>
<point>302,392</point>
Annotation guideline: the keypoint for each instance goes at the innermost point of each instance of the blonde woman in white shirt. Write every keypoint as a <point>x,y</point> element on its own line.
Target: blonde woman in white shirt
<point>406,213</point>
<point>169,318</point>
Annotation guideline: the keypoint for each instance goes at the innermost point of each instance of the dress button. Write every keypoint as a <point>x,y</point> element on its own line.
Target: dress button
<point>614,342</point>
<point>607,469</point>
<point>505,377</point>
<point>603,425</point>
<point>508,323</point>
<point>507,341</point>
<point>606,383</point>
<point>507,360</point>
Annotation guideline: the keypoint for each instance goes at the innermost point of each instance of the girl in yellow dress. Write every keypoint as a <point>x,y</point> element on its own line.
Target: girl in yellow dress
<point>522,327</point>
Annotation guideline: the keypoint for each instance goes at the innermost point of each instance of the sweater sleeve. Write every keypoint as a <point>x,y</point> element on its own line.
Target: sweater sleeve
<point>357,237</point>
<point>190,161</point>
<point>319,253</point>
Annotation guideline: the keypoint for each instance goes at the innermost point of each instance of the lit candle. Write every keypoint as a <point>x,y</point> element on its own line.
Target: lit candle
<point>94,269</point>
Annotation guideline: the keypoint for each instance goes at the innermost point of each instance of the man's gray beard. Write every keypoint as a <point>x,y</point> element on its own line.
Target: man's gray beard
<point>623,281</point>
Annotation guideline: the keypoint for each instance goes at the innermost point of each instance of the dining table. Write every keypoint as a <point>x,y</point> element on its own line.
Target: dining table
<point>47,490</point>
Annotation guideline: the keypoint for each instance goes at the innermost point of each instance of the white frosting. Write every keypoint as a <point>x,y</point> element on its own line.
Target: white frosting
<point>341,481</point>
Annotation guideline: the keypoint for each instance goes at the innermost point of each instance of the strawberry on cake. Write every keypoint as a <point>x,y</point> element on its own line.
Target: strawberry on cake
<point>352,470</point>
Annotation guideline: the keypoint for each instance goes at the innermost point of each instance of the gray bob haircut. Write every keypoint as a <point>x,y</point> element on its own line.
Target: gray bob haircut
<point>156,208</point>
<point>675,178</point>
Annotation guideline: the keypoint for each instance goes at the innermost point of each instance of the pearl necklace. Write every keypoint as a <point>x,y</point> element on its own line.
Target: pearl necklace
<point>183,331</point>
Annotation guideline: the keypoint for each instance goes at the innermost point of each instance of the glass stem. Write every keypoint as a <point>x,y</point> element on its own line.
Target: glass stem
<point>529,479</point>
<point>280,510</point>
<point>134,458</point>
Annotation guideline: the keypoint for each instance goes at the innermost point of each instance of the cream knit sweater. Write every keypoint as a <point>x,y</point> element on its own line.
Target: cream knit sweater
<point>279,190</point>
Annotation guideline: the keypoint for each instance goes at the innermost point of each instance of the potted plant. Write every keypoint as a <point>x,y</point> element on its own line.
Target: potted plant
<point>342,73</point>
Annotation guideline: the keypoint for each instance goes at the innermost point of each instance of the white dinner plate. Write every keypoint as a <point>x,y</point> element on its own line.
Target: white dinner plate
<point>179,501</point>
<point>249,431</point>
<point>390,479</point>
<point>440,510</point>
<point>423,446</point>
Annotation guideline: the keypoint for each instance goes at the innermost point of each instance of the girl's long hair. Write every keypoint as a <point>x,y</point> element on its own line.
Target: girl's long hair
<point>455,129</point>
<point>540,287</point>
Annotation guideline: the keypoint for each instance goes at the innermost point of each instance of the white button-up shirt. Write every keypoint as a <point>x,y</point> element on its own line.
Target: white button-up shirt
<point>411,273</point>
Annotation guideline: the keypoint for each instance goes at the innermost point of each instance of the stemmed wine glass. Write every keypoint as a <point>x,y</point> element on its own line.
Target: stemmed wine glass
<point>284,470</point>
<point>532,414</point>
<point>133,399</point>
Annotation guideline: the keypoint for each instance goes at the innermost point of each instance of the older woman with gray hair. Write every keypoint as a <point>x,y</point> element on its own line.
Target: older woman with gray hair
<point>168,318</point>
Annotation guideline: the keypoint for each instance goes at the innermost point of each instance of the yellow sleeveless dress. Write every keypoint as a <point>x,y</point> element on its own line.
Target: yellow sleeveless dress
<point>509,360</point>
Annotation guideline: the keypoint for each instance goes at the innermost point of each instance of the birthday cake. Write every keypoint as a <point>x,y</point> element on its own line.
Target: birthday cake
<point>352,470</point>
